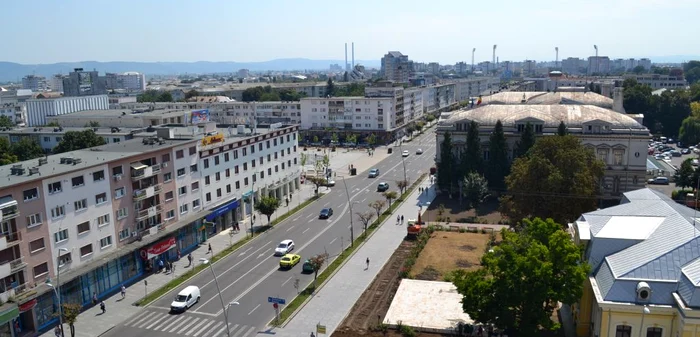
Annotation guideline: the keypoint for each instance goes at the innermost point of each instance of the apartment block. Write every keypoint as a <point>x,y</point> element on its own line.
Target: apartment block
<point>349,113</point>
<point>34,83</point>
<point>16,112</point>
<point>84,83</point>
<point>598,65</point>
<point>656,81</point>
<point>396,67</point>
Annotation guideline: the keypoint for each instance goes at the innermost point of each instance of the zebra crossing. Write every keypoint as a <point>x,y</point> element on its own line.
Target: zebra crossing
<point>187,325</point>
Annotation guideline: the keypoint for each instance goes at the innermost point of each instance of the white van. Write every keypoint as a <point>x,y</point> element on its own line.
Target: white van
<point>185,299</point>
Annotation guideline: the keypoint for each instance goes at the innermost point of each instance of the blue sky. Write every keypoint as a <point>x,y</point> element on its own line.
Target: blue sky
<point>47,31</point>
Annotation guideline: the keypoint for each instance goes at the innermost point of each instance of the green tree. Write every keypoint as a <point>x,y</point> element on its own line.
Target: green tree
<point>684,176</point>
<point>561,130</point>
<point>334,138</point>
<point>447,166</point>
<point>267,205</point>
<point>524,278</point>
<point>673,108</point>
<point>317,181</point>
<point>498,165</point>
<point>191,93</point>
<point>558,179</point>
<point>92,124</point>
<point>365,218</point>
<point>695,92</point>
<point>330,87</point>
<point>316,262</point>
<point>270,97</point>
<point>371,140</point>
<point>377,205</point>
<point>77,140</point>
<point>639,70</point>
<point>6,155</point>
<point>252,94</point>
<point>27,148</point>
<point>692,71</point>
<point>390,195</point>
<point>471,159</point>
<point>70,316</point>
<point>402,184</point>
<point>689,132</point>
<point>6,122</point>
<point>527,140</point>
<point>429,118</point>
<point>475,189</point>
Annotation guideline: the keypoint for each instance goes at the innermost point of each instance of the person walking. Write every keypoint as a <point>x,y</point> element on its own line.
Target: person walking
<point>367,267</point>
<point>209,251</point>
<point>102,306</point>
<point>94,298</point>
<point>123,291</point>
<point>57,331</point>
<point>189,259</point>
<point>402,219</point>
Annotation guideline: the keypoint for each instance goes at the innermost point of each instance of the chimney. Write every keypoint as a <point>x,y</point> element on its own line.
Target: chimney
<point>345,66</point>
<point>617,100</point>
<point>353,55</point>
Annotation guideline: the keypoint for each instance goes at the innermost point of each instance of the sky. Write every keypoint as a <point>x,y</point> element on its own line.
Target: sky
<point>444,31</point>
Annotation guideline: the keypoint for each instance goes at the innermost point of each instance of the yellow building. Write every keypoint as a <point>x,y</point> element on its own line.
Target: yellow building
<point>645,260</point>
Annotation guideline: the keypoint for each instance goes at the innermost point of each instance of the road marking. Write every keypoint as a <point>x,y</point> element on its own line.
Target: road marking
<point>166,322</point>
<point>249,331</point>
<point>234,266</point>
<point>179,324</point>
<point>363,200</point>
<point>193,322</point>
<point>261,254</point>
<point>341,205</point>
<point>326,204</point>
<point>142,324</point>
<point>285,282</point>
<point>245,251</point>
<point>213,327</point>
<point>156,321</point>
<point>310,216</point>
<point>333,241</point>
<point>238,332</point>
<point>218,332</point>
<point>297,218</point>
<point>141,318</point>
<point>256,307</point>
<point>197,326</point>
<point>290,228</point>
<point>305,230</point>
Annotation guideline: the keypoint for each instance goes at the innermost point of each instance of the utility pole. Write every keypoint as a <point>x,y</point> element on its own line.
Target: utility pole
<point>352,234</point>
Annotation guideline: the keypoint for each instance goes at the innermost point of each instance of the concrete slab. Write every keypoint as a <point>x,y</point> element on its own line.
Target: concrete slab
<point>429,306</point>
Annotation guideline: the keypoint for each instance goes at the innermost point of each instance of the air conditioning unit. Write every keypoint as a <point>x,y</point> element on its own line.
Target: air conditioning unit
<point>134,234</point>
<point>164,164</point>
<point>117,177</point>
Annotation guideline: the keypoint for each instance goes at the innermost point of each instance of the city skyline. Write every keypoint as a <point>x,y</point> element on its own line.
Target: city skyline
<point>444,33</point>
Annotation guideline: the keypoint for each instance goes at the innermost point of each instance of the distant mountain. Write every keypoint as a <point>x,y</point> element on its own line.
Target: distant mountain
<point>14,71</point>
<point>674,58</point>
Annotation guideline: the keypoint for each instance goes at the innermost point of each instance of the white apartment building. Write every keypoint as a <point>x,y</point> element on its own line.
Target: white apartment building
<point>133,81</point>
<point>349,113</point>
<point>79,215</point>
<point>39,109</point>
<point>17,113</point>
<point>34,83</point>
<point>49,137</point>
<point>472,87</point>
<point>188,182</point>
<point>56,83</point>
<point>413,104</point>
<point>572,65</point>
<point>598,65</point>
<point>656,81</point>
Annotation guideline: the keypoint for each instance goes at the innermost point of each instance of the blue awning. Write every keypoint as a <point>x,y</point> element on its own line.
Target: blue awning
<point>222,209</point>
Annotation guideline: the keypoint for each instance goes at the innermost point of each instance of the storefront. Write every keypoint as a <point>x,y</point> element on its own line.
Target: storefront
<point>223,216</point>
<point>8,320</point>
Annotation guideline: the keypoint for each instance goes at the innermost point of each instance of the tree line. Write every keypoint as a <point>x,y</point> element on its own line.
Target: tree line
<point>28,148</point>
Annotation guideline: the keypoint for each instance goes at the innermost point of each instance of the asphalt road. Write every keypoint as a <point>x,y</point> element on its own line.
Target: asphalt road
<point>251,275</point>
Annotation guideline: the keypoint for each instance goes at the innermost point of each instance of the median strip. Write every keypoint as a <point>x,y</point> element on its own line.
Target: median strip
<point>196,269</point>
<point>305,295</point>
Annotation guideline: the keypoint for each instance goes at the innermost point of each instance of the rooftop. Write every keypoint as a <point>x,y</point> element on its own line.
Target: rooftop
<point>45,130</point>
<point>548,98</point>
<point>124,112</point>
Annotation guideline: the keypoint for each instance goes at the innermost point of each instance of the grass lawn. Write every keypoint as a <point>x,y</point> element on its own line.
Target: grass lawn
<point>447,251</point>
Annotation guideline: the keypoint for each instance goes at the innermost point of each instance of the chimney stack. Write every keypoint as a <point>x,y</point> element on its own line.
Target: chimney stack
<point>353,56</point>
<point>346,56</point>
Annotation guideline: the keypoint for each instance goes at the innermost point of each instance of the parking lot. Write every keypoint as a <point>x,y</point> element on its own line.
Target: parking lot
<point>675,162</point>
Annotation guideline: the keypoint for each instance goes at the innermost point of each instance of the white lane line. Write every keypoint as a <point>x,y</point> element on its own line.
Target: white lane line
<point>249,331</point>
<point>310,216</point>
<point>179,324</point>
<point>234,266</point>
<point>363,200</point>
<point>305,230</point>
<point>341,205</point>
<point>285,282</point>
<point>166,323</point>
<point>290,228</point>
<point>245,251</point>
<point>297,218</point>
<point>333,241</point>
<point>157,321</point>
<point>218,332</point>
<point>262,254</point>
<point>140,318</point>
<point>193,322</point>
<point>326,204</point>
<point>212,328</point>
<point>238,332</point>
<point>154,318</point>
<point>256,307</point>
<point>196,326</point>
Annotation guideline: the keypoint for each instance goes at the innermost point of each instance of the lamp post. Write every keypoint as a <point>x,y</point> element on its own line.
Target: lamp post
<point>352,233</point>
<point>205,261</point>
<point>57,288</point>
<point>645,311</point>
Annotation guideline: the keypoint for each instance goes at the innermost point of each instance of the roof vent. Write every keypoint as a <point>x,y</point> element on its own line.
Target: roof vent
<point>43,161</point>
<point>67,160</point>
<point>17,170</point>
<point>33,171</point>
<point>643,292</point>
<point>77,161</point>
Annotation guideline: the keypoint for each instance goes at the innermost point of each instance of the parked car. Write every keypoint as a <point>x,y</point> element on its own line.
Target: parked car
<point>675,153</point>
<point>330,182</point>
<point>289,260</point>
<point>382,187</point>
<point>185,299</point>
<point>658,181</point>
<point>284,247</point>
<point>685,151</point>
<point>373,173</point>
<point>325,213</point>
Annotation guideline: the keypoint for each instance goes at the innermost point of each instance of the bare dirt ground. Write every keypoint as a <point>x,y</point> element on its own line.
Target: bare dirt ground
<point>459,212</point>
<point>447,251</point>
<point>372,306</point>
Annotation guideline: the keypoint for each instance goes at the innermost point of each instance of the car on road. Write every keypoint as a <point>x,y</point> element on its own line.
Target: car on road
<point>284,247</point>
<point>185,299</point>
<point>307,267</point>
<point>405,153</point>
<point>382,187</point>
<point>419,151</point>
<point>330,182</point>
<point>289,260</point>
<point>658,181</point>
<point>325,213</point>
<point>373,173</point>
<point>685,151</point>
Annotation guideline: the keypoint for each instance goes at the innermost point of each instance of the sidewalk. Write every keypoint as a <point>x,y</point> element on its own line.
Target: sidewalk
<point>92,322</point>
<point>335,299</point>
<point>341,159</point>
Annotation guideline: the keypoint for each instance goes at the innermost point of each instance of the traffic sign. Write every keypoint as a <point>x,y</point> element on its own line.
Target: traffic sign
<point>276,300</point>
<point>274,305</point>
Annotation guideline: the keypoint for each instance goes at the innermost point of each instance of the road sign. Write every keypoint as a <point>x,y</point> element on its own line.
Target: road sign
<point>276,300</point>
<point>274,305</point>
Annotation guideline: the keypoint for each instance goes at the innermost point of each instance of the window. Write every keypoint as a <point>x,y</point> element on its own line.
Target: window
<point>193,150</point>
<point>276,169</point>
<point>603,155</point>
<point>206,163</point>
<point>180,172</point>
<point>31,194</point>
<point>252,163</point>
<point>245,166</point>
<point>101,198</point>
<point>260,146</point>
<point>78,181</point>
<point>103,220</point>
<point>245,181</point>
<point>168,195</point>
<point>86,250</point>
<point>269,172</point>
<point>228,188</point>
<point>218,176</point>
<point>170,214</point>
<point>119,192</point>
<point>245,151</point>
<point>60,236</point>
<point>182,190</point>
<point>183,209</point>
<point>84,227</point>
<point>34,220</point>
<point>167,177</point>
<point>218,193</point>
<point>228,173</point>
<point>55,187</point>
<point>208,197</point>
<point>122,213</point>
<point>623,331</point>
<point>267,143</point>
<point>98,175</point>
<point>226,157</point>
<point>37,245</point>
<point>195,186</point>
<point>179,154</point>
<point>105,242</point>
<point>123,234</point>
<point>117,171</point>
<point>207,180</point>
<point>80,205</point>
<point>196,204</point>
<point>193,168</point>
<point>216,160</point>
<point>58,212</point>
<point>235,169</point>
<point>41,270</point>
<point>538,128</point>
<point>165,158</point>
<point>238,185</point>
<point>269,158</point>
<point>654,332</point>
<point>235,154</point>
<point>618,156</point>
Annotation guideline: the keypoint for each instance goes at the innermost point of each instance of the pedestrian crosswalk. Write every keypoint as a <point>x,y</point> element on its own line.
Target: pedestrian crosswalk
<point>187,325</point>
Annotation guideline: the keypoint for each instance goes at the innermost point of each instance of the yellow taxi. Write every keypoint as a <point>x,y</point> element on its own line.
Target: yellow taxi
<point>289,260</point>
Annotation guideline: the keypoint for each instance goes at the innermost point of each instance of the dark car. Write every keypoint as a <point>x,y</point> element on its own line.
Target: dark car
<point>325,213</point>
<point>382,187</point>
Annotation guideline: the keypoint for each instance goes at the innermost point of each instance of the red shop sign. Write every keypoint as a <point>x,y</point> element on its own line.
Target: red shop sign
<point>27,306</point>
<point>161,247</point>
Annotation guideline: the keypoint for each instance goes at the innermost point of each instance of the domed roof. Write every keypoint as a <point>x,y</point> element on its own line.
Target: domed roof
<point>131,73</point>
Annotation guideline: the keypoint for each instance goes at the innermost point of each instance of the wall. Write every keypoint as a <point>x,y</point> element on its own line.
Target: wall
<point>39,109</point>
<point>186,180</point>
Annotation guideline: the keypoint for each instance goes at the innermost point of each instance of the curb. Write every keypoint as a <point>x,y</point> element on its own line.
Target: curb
<point>332,275</point>
<point>225,256</point>
<point>108,330</point>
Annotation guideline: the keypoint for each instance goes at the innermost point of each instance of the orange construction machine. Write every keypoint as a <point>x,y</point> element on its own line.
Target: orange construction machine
<point>414,227</point>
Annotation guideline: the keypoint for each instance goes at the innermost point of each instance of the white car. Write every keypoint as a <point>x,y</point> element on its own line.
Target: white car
<point>405,153</point>
<point>185,299</point>
<point>419,151</point>
<point>284,247</point>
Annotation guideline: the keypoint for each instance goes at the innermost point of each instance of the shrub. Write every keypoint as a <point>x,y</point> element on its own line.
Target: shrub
<point>407,331</point>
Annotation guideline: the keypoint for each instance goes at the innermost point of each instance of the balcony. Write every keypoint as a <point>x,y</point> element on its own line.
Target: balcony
<point>8,208</point>
<point>147,192</point>
<point>8,240</point>
<point>140,171</point>
<point>149,212</point>
<point>17,264</point>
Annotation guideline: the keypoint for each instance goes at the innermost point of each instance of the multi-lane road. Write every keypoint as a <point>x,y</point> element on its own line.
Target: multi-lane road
<point>250,275</point>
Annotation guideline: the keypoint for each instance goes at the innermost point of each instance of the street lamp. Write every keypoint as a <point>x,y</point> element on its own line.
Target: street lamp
<point>645,311</point>
<point>57,288</point>
<point>205,261</point>
<point>352,233</point>
<point>229,307</point>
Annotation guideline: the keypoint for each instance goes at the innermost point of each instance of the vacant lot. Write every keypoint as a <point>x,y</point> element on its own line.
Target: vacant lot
<point>458,212</point>
<point>447,251</point>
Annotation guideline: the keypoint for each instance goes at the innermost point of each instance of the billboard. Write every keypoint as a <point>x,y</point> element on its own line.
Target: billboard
<point>200,116</point>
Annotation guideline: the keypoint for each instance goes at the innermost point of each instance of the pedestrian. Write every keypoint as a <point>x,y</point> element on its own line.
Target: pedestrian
<point>367,264</point>
<point>57,331</point>
<point>102,306</point>
<point>123,291</point>
<point>398,219</point>
<point>161,265</point>
<point>209,251</point>
<point>94,298</point>
<point>402,219</point>
<point>189,259</point>
<point>179,254</point>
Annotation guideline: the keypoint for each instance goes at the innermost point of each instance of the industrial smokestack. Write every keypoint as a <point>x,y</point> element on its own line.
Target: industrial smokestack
<point>494,55</point>
<point>346,57</point>
<point>353,55</point>
<point>473,50</point>
<point>556,61</point>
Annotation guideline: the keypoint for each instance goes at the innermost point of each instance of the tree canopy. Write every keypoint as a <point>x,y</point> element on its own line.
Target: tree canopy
<point>689,133</point>
<point>269,94</point>
<point>561,130</point>
<point>498,164</point>
<point>27,148</point>
<point>267,206</point>
<point>471,158</point>
<point>523,279</point>
<point>6,122</point>
<point>6,155</point>
<point>684,176</point>
<point>77,140</point>
<point>475,189</point>
<point>527,140</point>
<point>692,71</point>
<point>559,179</point>
<point>446,168</point>
<point>155,96</point>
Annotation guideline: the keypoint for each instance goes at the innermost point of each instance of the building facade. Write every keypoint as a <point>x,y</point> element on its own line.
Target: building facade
<point>129,81</point>
<point>656,81</point>
<point>49,137</point>
<point>84,83</point>
<point>39,109</point>
<point>34,83</point>
<point>56,83</point>
<point>17,113</point>
<point>598,65</point>
<point>396,67</point>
